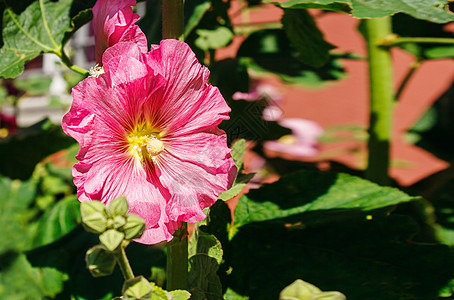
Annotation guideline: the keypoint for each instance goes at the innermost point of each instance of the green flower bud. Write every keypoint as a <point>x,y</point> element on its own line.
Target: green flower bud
<point>100,262</point>
<point>137,288</point>
<point>118,207</point>
<point>111,239</point>
<point>134,227</point>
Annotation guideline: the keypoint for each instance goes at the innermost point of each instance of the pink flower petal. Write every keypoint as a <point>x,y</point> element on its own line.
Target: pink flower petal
<point>113,22</point>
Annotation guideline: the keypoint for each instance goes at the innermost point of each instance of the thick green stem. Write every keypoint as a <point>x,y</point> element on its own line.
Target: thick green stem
<point>173,19</point>
<point>177,260</point>
<point>65,60</point>
<point>381,100</point>
<point>123,262</point>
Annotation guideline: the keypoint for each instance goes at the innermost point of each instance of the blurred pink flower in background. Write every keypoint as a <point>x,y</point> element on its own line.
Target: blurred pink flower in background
<point>113,22</point>
<point>147,128</point>
<point>302,142</point>
<point>270,94</point>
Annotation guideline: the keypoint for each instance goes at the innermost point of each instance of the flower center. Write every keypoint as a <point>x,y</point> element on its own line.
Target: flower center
<point>144,142</point>
<point>154,146</point>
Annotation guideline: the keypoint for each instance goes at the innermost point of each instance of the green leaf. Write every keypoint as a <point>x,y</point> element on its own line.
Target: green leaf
<point>304,35</point>
<point>15,200</point>
<point>204,258</point>
<point>314,192</point>
<point>111,239</point>
<point>22,281</point>
<point>100,262</point>
<point>31,145</point>
<point>212,39</point>
<point>432,10</point>
<point>232,192</point>
<point>194,12</point>
<point>57,221</point>
<point>30,30</point>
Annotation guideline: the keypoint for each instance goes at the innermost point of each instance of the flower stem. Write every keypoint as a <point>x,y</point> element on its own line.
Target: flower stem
<point>177,260</point>
<point>173,19</point>
<point>381,99</point>
<point>123,262</point>
<point>423,40</point>
<point>65,60</point>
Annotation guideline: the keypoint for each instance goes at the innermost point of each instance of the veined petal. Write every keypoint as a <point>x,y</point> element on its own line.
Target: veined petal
<point>191,187</point>
<point>113,22</point>
<point>187,103</point>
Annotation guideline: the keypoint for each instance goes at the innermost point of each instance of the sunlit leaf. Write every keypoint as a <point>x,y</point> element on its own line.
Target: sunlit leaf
<point>432,10</point>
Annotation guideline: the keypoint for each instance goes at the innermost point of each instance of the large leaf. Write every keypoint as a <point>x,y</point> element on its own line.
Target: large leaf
<point>20,281</point>
<point>306,38</point>
<point>317,197</point>
<point>363,259</point>
<point>432,10</point>
<point>205,256</point>
<point>57,221</point>
<point>33,27</point>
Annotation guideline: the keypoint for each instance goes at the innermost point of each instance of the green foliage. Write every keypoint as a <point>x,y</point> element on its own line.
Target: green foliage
<point>431,10</point>
<point>317,196</point>
<point>270,51</point>
<point>407,26</point>
<point>33,27</point>
<point>306,38</point>
<point>205,256</point>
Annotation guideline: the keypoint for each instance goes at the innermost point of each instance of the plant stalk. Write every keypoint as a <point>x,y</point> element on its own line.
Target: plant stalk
<point>123,262</point>
<point>65,60</point>
<point>177,260</point>
<point>173,19</point>
<point>421,40</point>
<point>381,100</point>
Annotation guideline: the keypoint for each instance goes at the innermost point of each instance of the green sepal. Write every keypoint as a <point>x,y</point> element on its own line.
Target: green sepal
<point>89,207</point>
<point>95,222</point>
<point>134,227</point>
<point>137,288</point>
<point>118,221</point>
<point>111,239</point>
<point>302,290</point>
<point>179,295</point>
<point>100,262</point>
<point>118,207</point>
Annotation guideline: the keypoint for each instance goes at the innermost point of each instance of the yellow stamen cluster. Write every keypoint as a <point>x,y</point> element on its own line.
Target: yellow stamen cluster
<point>144,142</point>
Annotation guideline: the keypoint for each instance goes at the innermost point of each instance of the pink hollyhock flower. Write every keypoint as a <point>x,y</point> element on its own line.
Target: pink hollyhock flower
<point>113,22</point>
<point>302,142</point>
<point>147,129</point>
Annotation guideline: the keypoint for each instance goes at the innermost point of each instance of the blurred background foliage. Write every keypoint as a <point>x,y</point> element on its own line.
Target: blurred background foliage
<point>334,230</point>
